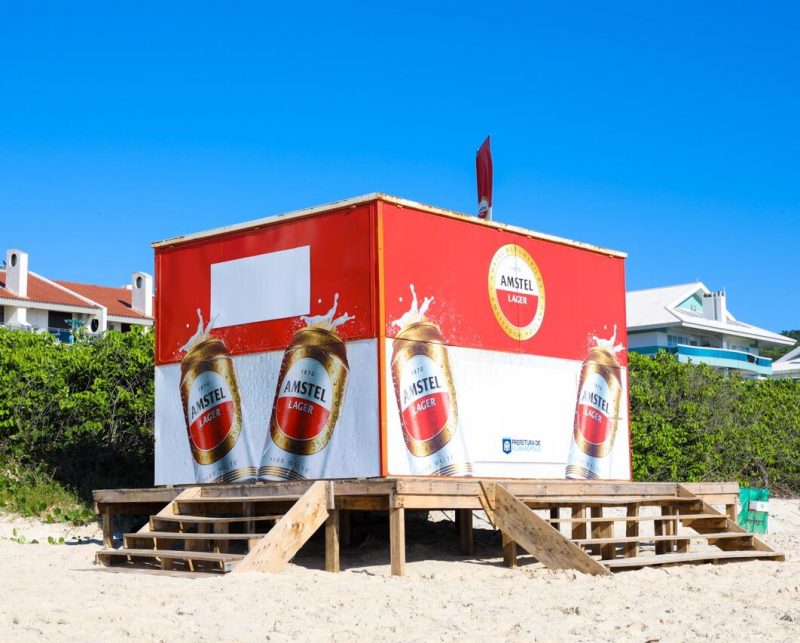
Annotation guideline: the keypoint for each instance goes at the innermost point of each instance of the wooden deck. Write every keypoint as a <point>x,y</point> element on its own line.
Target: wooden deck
<point>260,526</point>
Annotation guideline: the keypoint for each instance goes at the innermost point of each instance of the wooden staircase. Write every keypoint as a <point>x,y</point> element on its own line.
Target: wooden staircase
<point>658,530</point>
<point>209,534</point>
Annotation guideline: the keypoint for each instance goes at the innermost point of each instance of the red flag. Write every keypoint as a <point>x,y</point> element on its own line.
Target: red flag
<point>483,166</point>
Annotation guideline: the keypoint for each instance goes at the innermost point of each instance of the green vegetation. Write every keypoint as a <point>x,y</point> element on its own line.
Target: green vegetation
<point>691,423</point>
<point>73,418</point>
<point>780,351</point>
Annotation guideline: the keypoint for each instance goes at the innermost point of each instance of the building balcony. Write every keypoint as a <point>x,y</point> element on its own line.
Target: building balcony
<point>716,357</point>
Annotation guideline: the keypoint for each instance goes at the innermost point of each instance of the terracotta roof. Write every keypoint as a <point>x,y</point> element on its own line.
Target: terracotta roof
<point>116,300</point>
<point>41,291</point>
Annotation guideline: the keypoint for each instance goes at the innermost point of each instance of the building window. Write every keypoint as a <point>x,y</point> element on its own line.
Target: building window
<point>2,314</point>
<point>56,319</point>
<point>125,328</point>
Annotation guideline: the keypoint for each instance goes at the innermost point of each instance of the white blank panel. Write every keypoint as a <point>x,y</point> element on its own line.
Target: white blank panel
<point>274,285</point>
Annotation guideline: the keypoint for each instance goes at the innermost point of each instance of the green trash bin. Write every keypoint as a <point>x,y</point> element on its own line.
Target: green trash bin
<point>754,510</point>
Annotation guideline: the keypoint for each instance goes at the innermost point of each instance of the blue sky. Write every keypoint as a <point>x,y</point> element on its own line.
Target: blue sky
<point>670,132</point>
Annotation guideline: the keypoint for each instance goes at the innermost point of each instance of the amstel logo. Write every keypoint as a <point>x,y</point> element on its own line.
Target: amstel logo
<point>516,291</point>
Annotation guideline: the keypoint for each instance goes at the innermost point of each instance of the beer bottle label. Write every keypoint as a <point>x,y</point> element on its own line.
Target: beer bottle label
<point>211,412</point>
<point>593,421</point>
<point>304,400</point>
<point>424,398</point>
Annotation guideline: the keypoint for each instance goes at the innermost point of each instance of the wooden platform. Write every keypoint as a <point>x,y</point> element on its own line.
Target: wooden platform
<point>592,526</point>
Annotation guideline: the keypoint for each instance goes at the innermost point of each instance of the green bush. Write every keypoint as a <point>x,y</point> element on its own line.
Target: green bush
<point>691,423</point>
<point>83,412</point>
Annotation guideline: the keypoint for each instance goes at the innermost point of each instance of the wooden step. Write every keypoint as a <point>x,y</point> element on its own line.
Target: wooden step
<point>208,520</point>
<point>609,501</point>
<point>226,561</point>
<point>177,535</point>
<point>236,500</point>
<point>638,518</point>
<point>645,539</point>
<point>696,557</point>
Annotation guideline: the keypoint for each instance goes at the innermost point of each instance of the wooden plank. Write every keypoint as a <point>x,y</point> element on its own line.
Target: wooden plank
<point>332,563</point>
<point>580,521</point>
<point>174,554</point>
<point>108,526</point>
<point>486,499</point>
<point>460,486</point>
<point>546,544</point>
<point>146,495</point>
<point>596,527</point>
<point>631,549</point>
<point>212,520</point>
<point>509,551</point>
<point>465,535</point>
<point>397,540</point>
<point>642,518</point>
<point>363,503</point>
<point>289,534</point>
<point>175,535</point>
<point>603,501</point>
<point>695,557</point>
<point>418,501</point>
<point>604,540</point>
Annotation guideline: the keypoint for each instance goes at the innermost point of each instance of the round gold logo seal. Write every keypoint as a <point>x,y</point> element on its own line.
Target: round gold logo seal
<point>516,291</point>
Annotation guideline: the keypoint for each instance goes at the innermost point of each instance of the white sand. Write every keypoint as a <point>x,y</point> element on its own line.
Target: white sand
<point>55,591</point>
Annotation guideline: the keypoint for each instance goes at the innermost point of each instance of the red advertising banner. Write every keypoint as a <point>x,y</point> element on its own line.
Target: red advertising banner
<point>499,290</point>
<point>256,272</point>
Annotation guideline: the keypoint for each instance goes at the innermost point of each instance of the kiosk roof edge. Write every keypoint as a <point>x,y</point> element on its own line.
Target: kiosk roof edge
<point>378,196</point>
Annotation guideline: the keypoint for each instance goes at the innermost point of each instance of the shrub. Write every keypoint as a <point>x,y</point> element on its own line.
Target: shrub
<point>83,411</point>
<point>691,423</point>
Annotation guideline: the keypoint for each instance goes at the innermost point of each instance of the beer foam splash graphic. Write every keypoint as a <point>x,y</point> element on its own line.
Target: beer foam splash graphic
<point>608,344</point>
<point>416,314</point>
<point>201,334</point>
<point>328,321</point>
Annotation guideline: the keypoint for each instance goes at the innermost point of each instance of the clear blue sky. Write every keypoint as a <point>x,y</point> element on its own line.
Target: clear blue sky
<point>670,132</point>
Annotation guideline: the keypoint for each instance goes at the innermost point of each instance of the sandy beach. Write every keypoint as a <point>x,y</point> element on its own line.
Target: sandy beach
<point>55,591</point>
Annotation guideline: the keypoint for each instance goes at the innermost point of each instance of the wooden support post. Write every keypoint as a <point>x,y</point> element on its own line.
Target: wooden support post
<point>464,523</point>
<point>631,550</point>
<point>669,528</point>
<point>509,551</point>
<point>397,540</point>
<point>332,541</point>
<point>730,510</point>
<point>555,514</point>
<point>222,528</point>
<point>596,529</point>
<point>658,529</point>
<point>247,511</point>
<point>578,528</point>
<point>108,527</point>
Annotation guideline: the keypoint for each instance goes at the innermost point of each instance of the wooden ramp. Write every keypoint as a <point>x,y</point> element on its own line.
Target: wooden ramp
<point>595,527</point>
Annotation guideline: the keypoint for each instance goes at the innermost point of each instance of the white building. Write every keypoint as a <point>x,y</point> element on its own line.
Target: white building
<point>788,366</point>
<point>32,302</point>
<point>695,325</point>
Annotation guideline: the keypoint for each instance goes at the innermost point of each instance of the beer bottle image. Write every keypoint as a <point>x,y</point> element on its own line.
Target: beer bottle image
<point>213,411</point>
<point>596,412</point>
<point>308,400</point>
<point>426,396</point>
